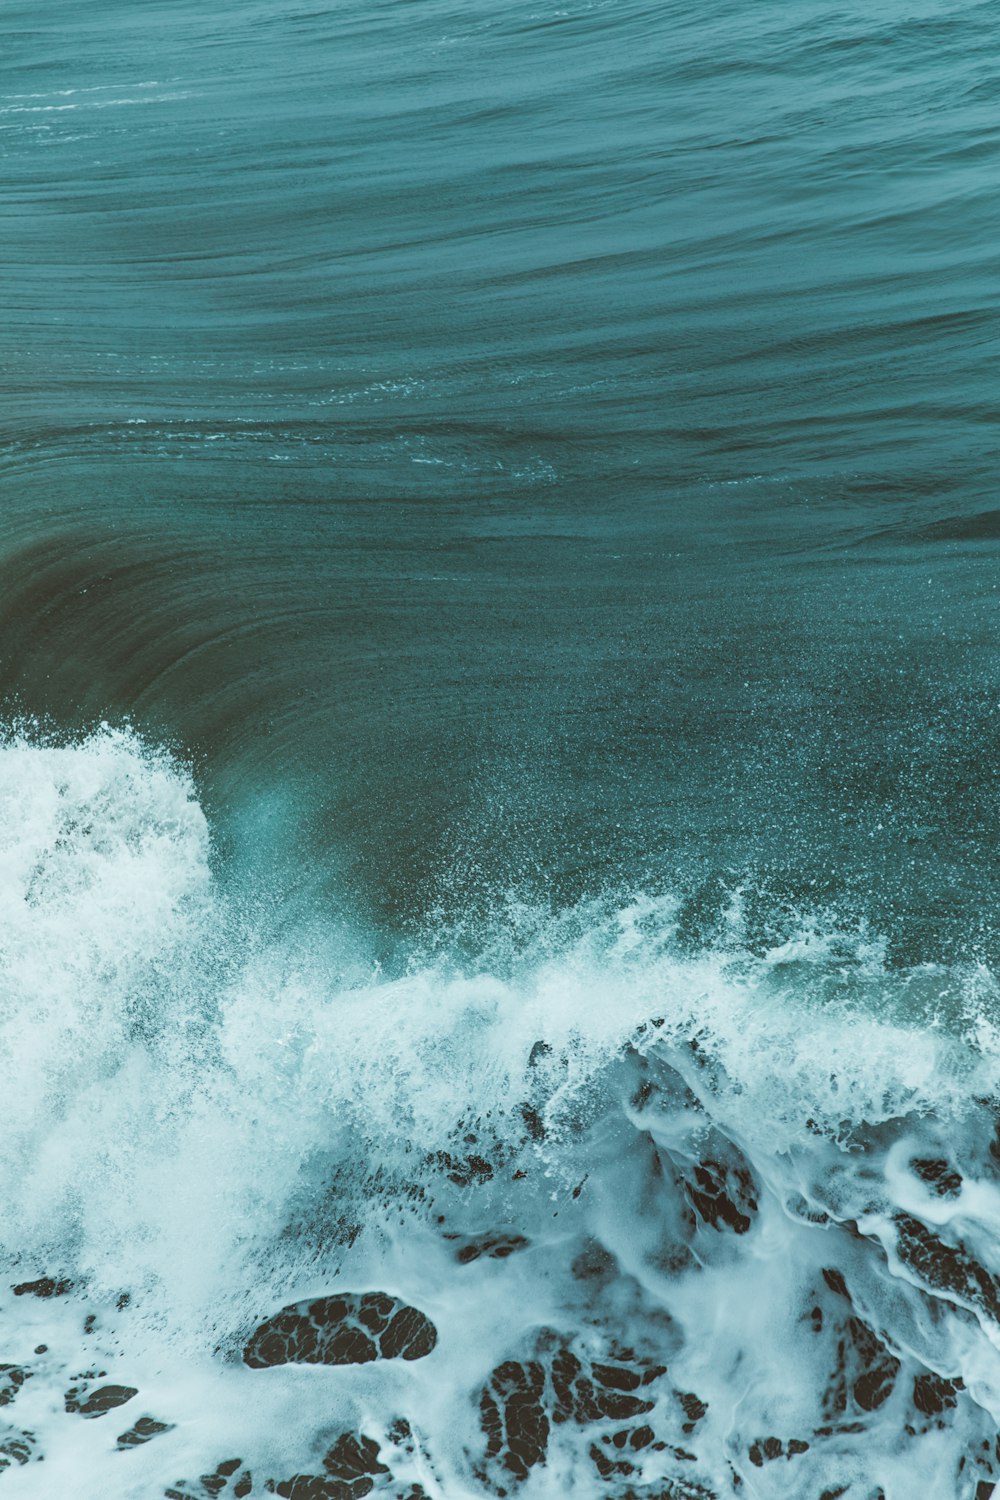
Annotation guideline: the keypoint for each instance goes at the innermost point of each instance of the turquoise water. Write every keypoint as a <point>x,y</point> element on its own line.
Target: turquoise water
<point>517,486</point>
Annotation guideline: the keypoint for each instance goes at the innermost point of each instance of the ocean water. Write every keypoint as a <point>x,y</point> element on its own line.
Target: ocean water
<point>499,750</point>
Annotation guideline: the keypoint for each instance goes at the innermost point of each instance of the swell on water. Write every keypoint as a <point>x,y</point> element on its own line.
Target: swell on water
<point>581,1207</point>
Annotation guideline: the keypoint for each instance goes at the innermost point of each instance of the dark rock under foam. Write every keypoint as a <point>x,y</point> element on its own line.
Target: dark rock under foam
<point>352,1329</point>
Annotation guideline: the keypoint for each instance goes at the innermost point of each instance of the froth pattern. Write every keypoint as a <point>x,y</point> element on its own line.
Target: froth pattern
<point>596,1214</point>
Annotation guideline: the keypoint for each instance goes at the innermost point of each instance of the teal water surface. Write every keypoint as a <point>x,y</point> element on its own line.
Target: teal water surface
<point>517,485</point>
<point>559,442</point>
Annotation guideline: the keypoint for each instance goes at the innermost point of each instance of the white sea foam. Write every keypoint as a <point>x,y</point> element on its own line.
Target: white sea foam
<point>669,1146</point>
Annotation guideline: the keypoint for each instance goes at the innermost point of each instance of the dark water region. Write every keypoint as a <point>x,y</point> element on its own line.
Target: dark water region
<point>560,442</point>
<point>506,1005</point>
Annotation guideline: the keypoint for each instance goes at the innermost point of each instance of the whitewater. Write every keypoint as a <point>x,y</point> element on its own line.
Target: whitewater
<point>667,1221</point>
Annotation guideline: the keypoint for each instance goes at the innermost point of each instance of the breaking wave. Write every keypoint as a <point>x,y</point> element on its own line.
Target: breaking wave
<point>582,1208</point>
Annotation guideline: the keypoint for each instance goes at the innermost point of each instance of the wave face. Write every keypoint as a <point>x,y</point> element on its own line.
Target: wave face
<point>499,776</point>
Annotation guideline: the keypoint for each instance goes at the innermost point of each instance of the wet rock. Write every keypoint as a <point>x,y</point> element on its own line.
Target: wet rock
<point>462,1172</point>
<point>513,1417</point>
<point>497,1247</point>
<point>599,1394</point>
<point>946,1268</point>
<point>45,1286</point>
<point>759,1452</point>
<point>401,1434</point>
<point>12,1378</point>
<point>217,1483</point>
<point>934,1394</point>
<point>836,1282</point>
<point>865,1372</point>
<point>99,1402</point>
<point>17,1448</point>
<point>526,1400</point>
<point>607,1466</point>
<point>214,1484</point>
<point>693,1407</point>
<point>617,1377</point>
<point>351,1329</point>
<point>317,1487</point>
<point>143,1431</point>
<point>874,1388</point>
<point>353,1458</point>
<point>566,1370</point>
<point>939,1175</point>
<point>766,1450</point>
<point>723,1197</point>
